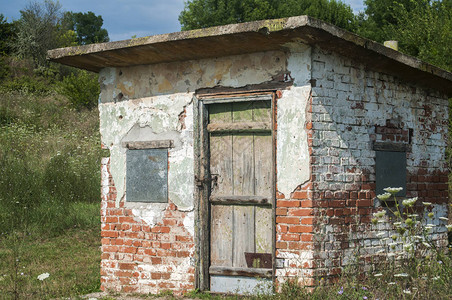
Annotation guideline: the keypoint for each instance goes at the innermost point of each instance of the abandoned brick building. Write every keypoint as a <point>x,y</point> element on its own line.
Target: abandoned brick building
<point>247,154</point>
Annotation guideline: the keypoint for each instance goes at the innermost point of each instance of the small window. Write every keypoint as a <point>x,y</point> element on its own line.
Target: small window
<point>390,168</point>
<point>147,174</point>
<point>390,171</point>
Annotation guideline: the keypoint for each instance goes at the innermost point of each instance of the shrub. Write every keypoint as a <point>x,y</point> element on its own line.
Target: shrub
<point>27,85</point>
<point>81,88</point>
<point>4,67</point>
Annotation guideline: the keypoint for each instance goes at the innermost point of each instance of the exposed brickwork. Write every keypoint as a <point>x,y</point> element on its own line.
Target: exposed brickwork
<point>295,222</point>
<point>353,107</point>
<point>324,223</point>
<point>137,257</point>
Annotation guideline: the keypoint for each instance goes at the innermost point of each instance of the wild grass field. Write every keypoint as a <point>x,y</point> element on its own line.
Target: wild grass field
<point>49,194</point>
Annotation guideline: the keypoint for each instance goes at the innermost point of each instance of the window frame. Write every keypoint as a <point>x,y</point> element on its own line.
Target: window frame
<point>158,150</point>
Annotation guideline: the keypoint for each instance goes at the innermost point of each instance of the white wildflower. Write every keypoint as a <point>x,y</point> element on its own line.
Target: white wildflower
<point>43,276</point>
<point>391,283</point>
<point>418,237</point>
<point>427,203</point>
<point>413,215</point>
<point>443,218</point>
<point>384,197</point>
<point>408,247</point>
<point>407,292</point>
<point>431,225</point>
<point>436,278</point>
<point>426,244</point>
<point>379,214</point>
<point>409,202</point>
<point>378,275</point>
<point>401,275</point>
<point>397,223</point>
<point>393,190</point>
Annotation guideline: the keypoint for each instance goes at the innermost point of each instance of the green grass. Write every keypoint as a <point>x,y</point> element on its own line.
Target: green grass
<point>50,161</point>
<point>49,197</point>
<point>71,259</point>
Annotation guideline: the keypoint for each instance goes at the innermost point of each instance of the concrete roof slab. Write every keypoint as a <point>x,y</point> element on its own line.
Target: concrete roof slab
<point>248,38</point>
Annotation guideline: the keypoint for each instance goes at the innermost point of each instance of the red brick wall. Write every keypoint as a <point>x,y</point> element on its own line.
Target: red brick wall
<point>137,257</point>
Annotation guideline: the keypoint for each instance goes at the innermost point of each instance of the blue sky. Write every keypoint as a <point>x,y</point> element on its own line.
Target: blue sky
<point>125,18</point>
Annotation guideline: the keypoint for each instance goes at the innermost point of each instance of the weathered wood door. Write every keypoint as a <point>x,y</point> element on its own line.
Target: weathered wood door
<point>241,197</point>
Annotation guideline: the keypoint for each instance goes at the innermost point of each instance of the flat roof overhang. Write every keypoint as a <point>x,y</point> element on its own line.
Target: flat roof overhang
<point>248,38</point>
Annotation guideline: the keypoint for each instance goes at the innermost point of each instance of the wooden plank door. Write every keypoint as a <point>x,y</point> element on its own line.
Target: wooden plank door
<point>241,165</point>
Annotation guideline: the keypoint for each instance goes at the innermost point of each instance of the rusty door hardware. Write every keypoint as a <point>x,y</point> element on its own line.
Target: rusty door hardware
<point>199,182</point>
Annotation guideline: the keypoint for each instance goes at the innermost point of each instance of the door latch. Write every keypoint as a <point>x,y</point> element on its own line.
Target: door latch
<point>199,182</point>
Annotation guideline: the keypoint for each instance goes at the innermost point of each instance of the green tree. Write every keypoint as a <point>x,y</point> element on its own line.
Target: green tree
<point>422,27</point>
<point>425,31</point>
<point>87,27</point>
<point>37,30</point>
<point>205,13</point>
<point>378,15</point>
<point>7,35</point>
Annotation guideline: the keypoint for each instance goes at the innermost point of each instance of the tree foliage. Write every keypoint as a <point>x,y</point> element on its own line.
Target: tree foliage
<point>422,27</point>
<point>43,26</point>
<point>379,14</point>
<point>87,27</point>
<point>81,88</point>
<point>37,30</point>
<point>7,35</point>
<point>425,31</point>
<point>205,13</point>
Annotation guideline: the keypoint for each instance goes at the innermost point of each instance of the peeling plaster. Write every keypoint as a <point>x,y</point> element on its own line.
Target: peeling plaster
<point>189,222</point>
<point>151,213</point>
<point>160,94</point>
<point>299,63</point>
<point>179,271</point>
<point>292,156</point>
<point>294,264</point>
<point>151,118</point>
<point>188,76</point>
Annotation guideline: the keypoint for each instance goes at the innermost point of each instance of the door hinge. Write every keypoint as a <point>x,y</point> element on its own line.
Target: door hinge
<point>200,182</point>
